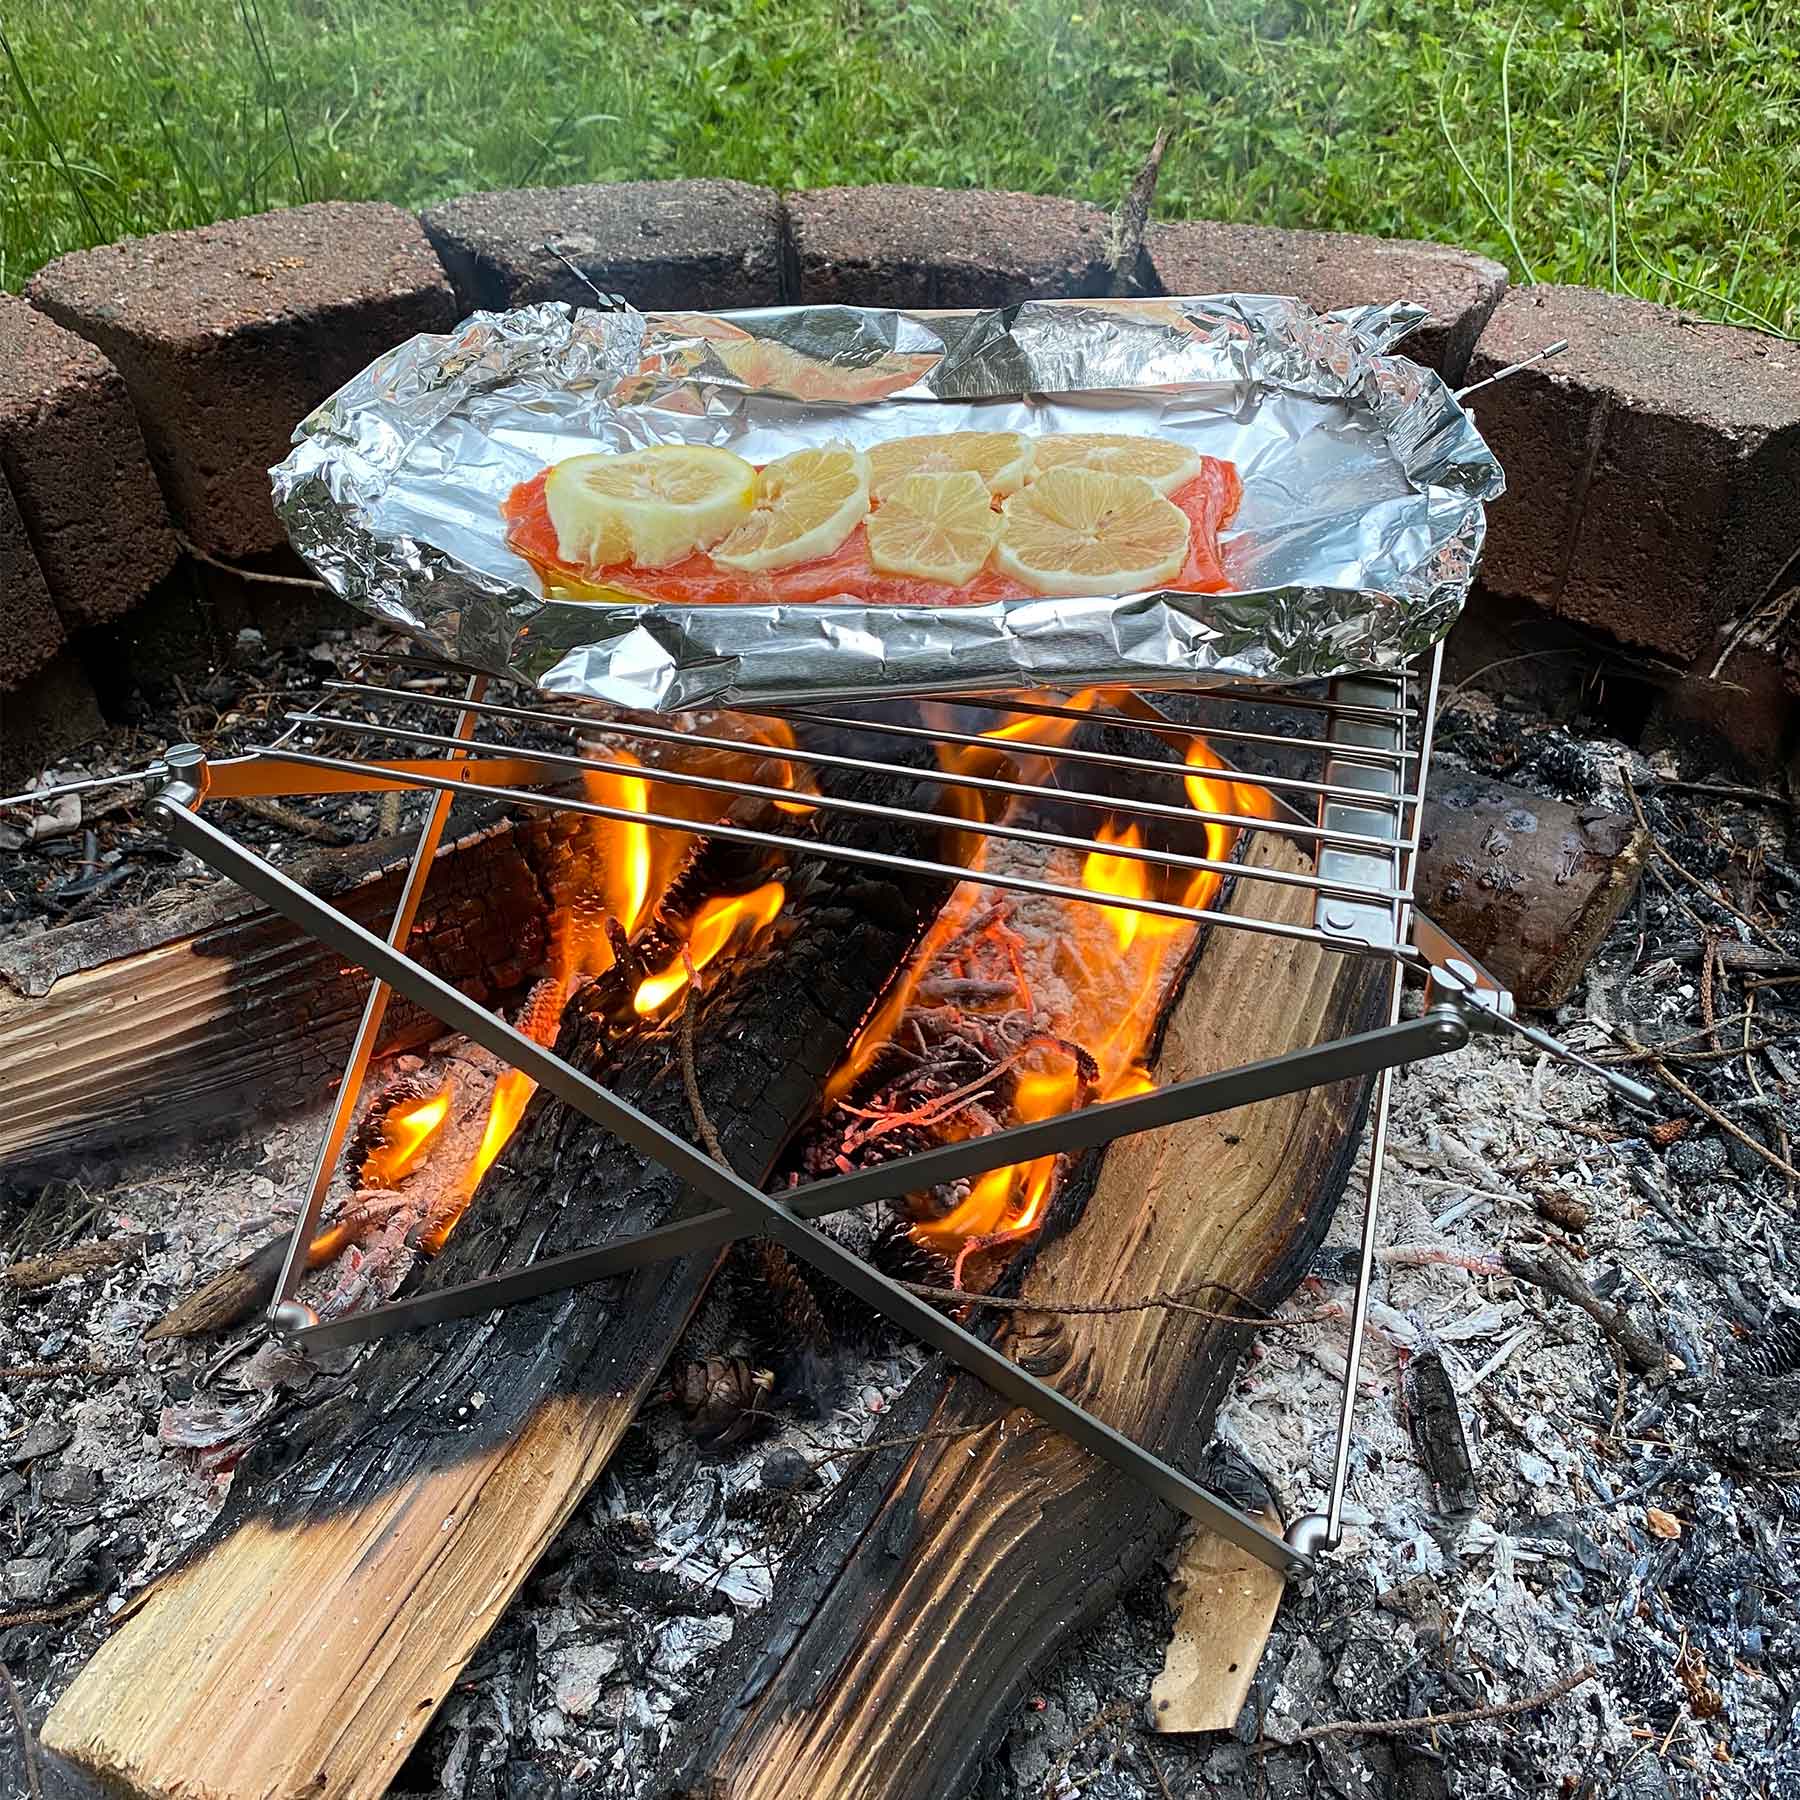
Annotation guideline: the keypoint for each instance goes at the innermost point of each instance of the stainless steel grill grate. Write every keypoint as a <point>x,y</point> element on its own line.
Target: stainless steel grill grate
<point>1345,775</point>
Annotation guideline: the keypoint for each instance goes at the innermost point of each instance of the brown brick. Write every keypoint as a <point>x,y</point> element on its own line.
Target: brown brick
<point>229,335</point>
<point>1652,471</point>
<point>30,632</point>
<point>73,456</point>
<point>696,246</point>
<point>1328,269</point>
<point>51,714</point>
<point>927,247</point>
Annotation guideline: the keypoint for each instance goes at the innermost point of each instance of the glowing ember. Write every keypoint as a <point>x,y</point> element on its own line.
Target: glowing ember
<point>722,922</point>
<point>406,1134</point>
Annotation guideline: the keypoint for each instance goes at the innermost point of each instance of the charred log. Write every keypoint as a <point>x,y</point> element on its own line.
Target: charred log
<point>941,1574</point>
<point>364,1556</point>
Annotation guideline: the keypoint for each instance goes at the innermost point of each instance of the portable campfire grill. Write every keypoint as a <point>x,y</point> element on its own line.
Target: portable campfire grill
<point>1358,816</point>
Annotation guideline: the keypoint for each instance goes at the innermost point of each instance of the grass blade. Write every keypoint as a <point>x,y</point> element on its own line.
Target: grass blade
<point>50,138</point>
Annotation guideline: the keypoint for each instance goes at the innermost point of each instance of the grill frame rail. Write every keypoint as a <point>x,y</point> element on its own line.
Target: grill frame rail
<point>1360,818</point>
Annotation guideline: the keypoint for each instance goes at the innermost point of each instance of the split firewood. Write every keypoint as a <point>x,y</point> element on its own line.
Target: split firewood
<point>1435,1420</point>
<point>304,1648</point>
<point>1002,1535</point>
<point>1528,886</point>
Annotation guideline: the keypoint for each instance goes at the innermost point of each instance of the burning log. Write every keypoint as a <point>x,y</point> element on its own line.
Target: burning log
<point>166,1020</point>
<point>943,1573</point>
<point>362,1559</point>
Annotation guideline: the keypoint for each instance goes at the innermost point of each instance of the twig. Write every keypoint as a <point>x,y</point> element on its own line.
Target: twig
<point>1468,1715</point>
<point>46,1615</point>
<point>190,548</point>
<point>1162,1781</point>
<point>1686,875</point>
<point>1098,1723</point>
<point>51,1371</point>
<point>898,1443</point>
<point>1164,1302</point>
<point>1555,1274</point>
<point>274,813</point>
<point>27,1744</point>
<point>1726,790</point>
<point>1664,1073</point>
<point>690,1074</point>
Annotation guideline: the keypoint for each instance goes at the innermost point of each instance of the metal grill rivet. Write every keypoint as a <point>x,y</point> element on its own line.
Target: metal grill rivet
<point>1339,918</point>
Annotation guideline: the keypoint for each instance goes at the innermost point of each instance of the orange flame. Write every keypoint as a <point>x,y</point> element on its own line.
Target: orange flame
<point>1108,969</point>
<point>406,1134</point>
<point>722,921</point>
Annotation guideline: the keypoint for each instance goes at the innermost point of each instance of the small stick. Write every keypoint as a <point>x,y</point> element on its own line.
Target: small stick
<point>1694,881</point>
<point>1662,1070</point>
<point>1555,1274</point>
<point>1469,1715</point>
<point>898,1443</point>
<point>690,1073</point>
<point>274,813</point>
<point>1134,216</point>
<point>47,1615</point>
<point>190,548</point>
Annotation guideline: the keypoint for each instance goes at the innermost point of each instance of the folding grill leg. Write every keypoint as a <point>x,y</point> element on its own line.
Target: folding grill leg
<point>362,1046</point>
<point>751,1208</point>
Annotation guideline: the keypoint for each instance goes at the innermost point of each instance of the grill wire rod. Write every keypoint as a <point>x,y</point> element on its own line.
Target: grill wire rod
<point>1367,802</point>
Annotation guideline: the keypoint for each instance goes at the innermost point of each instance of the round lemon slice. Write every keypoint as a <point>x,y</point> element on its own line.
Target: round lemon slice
<point>1164,465</point>
<point>805,505</point>
<point>1078,531</point>
<point>938,527</point>
<point>1001,458</point>
<point>651,507</point>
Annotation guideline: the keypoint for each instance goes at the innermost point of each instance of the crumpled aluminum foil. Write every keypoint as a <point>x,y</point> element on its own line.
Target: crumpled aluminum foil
<point>1361,522</point>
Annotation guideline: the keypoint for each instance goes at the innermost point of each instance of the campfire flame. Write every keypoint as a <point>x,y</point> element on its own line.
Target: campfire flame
<point>407,1133</point>
<point>635,864</point>
<point>1093,977</point>
<point>725,921</point>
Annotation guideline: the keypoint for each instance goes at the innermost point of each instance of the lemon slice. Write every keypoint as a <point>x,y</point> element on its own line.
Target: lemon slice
<point>1164,465</point>
<point>938,527</point>
<point>1001,458</point>
<point>651,507</point>
<point>1078,531</point>
<point>806,504</point>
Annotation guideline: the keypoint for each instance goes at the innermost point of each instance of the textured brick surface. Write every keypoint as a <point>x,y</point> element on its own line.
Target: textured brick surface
<point>1652,471</point>
<point>30,631</point>
<point>697,246</point>
<point>73,456</point>
<point>924,247</point>
<point>1328,269</point>
<point>228,336</point>
<point>52,713</point>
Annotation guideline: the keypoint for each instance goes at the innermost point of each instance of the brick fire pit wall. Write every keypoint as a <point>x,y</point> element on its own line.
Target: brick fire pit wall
<point>146,386</point>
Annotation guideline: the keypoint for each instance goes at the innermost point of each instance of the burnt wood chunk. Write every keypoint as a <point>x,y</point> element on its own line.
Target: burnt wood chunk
<point>229,335</point>
<point>73,456</point>
<point>928,247</point>
<point>1528,886</point>
<point>1329,269</point>
<point>364,1556</point>
<point>682,245</point>
<point>909,1622</point>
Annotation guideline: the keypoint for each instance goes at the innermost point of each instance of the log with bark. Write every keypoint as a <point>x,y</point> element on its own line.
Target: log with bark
<point>906,1628</point>
<point>362,1559</point>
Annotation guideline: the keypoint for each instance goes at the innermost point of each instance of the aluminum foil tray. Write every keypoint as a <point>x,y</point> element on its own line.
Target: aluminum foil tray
<point>1361,522</point>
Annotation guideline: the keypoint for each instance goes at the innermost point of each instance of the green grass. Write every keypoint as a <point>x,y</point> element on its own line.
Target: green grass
<point>1648,145</point>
